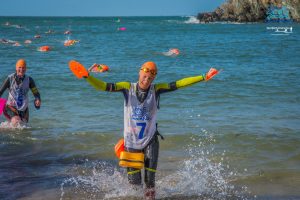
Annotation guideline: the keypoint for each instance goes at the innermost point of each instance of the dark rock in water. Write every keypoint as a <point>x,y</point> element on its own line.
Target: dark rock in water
<point>254,11</point>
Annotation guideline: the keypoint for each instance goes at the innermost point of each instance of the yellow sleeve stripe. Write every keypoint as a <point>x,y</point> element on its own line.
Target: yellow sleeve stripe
<point>34,90</point>
<point>101,85</point>
<point>150,170</point>
<point>160,86</point>
<point>96,83</point>
<point>189,81</point>
<point>122,85</point>
<point>133,172</point>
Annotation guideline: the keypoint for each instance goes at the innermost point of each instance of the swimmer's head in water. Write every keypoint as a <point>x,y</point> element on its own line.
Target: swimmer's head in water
<point>21,67</point>
<point>147,74</point>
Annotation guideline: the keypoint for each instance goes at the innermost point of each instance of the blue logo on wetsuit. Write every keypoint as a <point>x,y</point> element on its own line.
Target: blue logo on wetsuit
<point>20,95</point>
<point>141,113</point>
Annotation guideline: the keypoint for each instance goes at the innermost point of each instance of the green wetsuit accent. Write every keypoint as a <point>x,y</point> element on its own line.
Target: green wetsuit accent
<point>96,83</point>
<point>189,81</point>
<point>159,87</point>
<point>110,87</point>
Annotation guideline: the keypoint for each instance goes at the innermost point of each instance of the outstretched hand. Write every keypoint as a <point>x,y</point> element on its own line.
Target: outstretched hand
<point>211,73</point>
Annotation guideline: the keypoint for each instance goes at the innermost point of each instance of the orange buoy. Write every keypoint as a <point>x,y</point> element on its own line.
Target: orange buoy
<point>44,48</point>
<point>119,147</point>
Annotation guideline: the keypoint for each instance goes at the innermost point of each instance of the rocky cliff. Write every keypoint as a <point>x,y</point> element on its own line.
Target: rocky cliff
<point>250,10</point>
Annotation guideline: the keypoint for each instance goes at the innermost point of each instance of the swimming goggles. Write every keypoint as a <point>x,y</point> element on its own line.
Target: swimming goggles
<point>146,70</point>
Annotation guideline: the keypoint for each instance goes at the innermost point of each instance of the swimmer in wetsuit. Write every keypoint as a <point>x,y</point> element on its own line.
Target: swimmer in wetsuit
<point>18,85</point>
<point>140,109</point>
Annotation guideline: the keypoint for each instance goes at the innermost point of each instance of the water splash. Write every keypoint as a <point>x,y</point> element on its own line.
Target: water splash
<point>9,126</point>
<point>100,181</point>
<point>192,20</point>
<point>199,176</point>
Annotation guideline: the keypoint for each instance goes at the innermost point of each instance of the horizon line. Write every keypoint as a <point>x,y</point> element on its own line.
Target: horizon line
<point>98,16</point>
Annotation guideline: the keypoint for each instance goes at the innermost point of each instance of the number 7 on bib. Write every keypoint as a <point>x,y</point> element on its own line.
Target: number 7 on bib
<point>143,126</point>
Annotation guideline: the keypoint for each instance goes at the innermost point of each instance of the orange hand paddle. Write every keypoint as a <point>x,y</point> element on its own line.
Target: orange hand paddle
<point>211,73</point>
<point>78,69</point>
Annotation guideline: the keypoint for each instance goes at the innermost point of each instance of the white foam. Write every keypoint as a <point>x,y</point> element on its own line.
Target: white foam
<point>108,182</point>
<point>192,20</point>
<point>195,177</point>
<point>10,126</point>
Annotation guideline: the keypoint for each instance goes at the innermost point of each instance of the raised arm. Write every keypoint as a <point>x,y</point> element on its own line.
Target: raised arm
<point>168,87</point>
<point>80,72</point>
<point>109,87</point>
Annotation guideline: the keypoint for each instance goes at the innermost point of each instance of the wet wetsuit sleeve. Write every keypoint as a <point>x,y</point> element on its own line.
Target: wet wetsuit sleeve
<point>34,89</point>
<point>4,86</point>
<point>109,87</point>
<point>168,87</point>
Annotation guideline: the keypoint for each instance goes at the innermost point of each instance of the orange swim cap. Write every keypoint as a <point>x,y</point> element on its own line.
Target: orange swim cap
<point>149,65</point>
<point>21,63</point>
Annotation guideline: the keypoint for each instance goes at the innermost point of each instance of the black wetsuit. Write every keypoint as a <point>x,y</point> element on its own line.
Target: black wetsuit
<point>11,111</point>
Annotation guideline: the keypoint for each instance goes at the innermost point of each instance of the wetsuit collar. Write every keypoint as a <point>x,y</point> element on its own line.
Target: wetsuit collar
<point>141,94</point>
<point>18,78</point>
<point>140,89</point>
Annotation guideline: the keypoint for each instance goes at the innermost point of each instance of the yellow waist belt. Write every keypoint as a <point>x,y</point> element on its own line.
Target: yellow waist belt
<point>129,159</point>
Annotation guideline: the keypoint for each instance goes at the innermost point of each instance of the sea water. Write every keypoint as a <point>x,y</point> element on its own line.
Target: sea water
<point>234,137</point>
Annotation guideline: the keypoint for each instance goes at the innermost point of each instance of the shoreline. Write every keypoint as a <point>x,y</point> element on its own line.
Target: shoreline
<point>281,11</point>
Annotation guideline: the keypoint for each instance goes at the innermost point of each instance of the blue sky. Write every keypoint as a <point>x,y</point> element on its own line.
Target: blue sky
<point>106,7</point>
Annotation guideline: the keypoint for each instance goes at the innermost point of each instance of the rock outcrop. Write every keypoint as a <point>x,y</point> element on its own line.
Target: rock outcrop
<point>250,10</point>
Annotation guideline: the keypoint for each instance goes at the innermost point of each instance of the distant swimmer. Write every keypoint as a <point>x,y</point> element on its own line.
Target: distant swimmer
<point>4,41</point>
<point>16,26</point>
<point>49,31</point>
<point>172,52</point>
<point>37,36</point>
<point>70,42</point>
<point>27,42</point>
<point>98,68</point>
<point>67,32</point>
<point>141,103</point>
<point>10,42</point>
<point>18,85</point>
<point>16,44</point>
